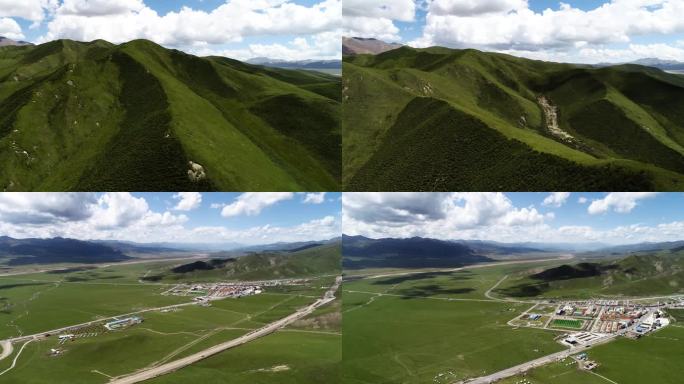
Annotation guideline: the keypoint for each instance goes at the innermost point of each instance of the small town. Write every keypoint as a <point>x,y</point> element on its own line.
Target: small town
<point>592,322</point>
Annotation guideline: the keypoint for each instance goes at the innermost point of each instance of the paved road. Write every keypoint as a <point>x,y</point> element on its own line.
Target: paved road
<point>518,369</point>
<point>268,329</point>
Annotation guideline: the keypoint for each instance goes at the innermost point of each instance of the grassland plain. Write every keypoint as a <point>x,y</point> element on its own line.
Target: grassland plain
<point>308,351</point>
<point>435,326</point>
<point>72,114</point>
<point>161,337</point>
<point>655,358</point>
<point>443,119</point>
<point>38,302</point>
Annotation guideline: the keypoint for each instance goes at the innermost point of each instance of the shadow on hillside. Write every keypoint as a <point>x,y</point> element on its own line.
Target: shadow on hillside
<point>523,290</point>
<point>69,270</point>
<point>431,290</point>
<point>457,275</point>
<point>18,285</point>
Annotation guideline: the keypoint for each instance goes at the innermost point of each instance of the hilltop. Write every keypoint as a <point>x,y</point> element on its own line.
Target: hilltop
<point>446,119</point>
<point>307,262</point>
<point>137,116</point>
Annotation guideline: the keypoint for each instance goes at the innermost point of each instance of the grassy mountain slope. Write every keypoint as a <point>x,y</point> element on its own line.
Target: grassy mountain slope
<point>442,119</point>
<point>313,261</point>
<point>635,275</point>
<point>95,116</point>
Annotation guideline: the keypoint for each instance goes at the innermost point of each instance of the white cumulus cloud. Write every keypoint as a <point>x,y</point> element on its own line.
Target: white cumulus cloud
<point>33,10</point>
<point>314,198</point>
<point>621,202</point>
<point>556,199</point>
<point>565,33</point>
<point>187,201</point>
<point>252,203</point>
<point>440,215</point>
<point>10,28</point>
<point>376,18</point>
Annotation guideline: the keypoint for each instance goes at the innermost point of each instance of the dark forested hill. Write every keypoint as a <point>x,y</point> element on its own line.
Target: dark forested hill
<point>56,250</point>
<point>361,252</point>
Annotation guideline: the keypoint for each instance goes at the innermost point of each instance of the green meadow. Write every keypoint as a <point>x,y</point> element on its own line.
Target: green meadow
<point>435,326</point>
<point>439,119</point>
<point>655,358</point>
<point>130,117</point>
<point>42,301</point>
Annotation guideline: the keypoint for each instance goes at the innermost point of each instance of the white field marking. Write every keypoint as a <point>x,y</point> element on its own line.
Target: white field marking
<point>101,373</point>
<point>603,377</point>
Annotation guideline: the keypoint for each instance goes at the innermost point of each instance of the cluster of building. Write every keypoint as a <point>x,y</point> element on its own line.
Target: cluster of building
<point>581,338</point>
<point>578,309</point>
<point>213,291</point>
<point>651,322</point>
<point>584,362</point>
<point>123,323</point>
<point>614,318</point>
<point>205,292</point>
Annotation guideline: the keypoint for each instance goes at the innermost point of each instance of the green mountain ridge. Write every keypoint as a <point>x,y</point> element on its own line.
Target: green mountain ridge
<point>137,116</point>
<point>443,119</point>
<point>311,261</point>
<point>642,274</point>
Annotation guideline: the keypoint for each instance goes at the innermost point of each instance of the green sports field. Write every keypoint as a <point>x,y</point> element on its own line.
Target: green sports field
<point>565,323</point>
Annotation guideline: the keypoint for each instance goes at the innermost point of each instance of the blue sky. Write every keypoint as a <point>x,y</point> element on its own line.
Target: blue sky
<point>242,29</point>
<point>587,31</point>
<point>612,218</point>
<point>285,213</point>
<point>244,218</point>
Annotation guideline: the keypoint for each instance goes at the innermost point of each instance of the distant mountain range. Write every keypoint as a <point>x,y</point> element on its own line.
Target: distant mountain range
<point>361,45</point>
<point>665,65</point>
<point>673,246</point>
<point>60,250</point>
<point>56,250</point>
<point>4,42</point>
<point>361,252</point>
<point>298,64</point>
<point>418,252</point>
